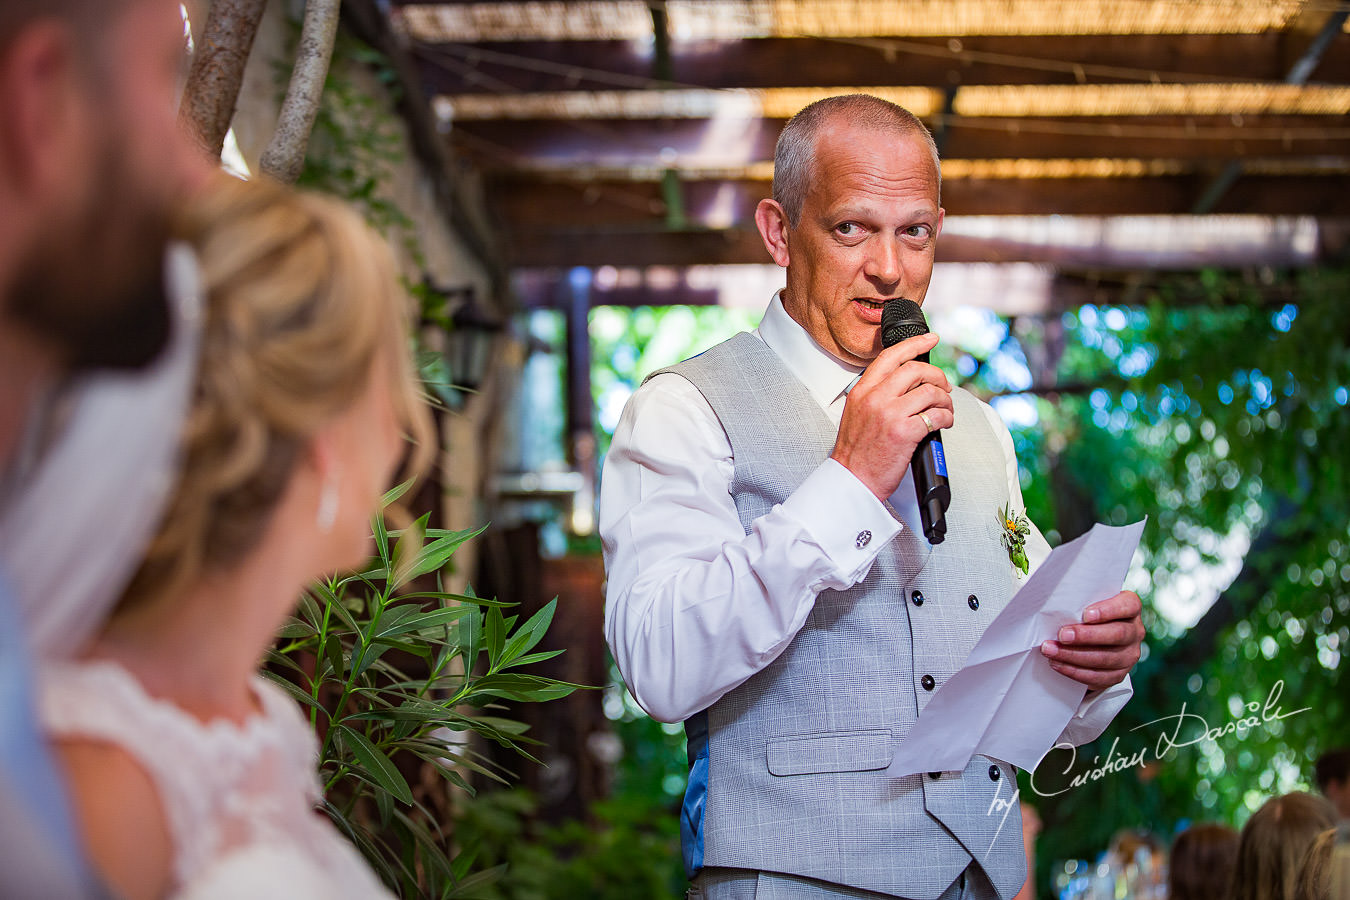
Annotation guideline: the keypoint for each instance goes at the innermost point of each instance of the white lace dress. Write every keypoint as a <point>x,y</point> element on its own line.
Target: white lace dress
<point>239,798</point>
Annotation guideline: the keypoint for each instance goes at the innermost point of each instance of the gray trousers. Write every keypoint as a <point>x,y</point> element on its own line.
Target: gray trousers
<point>746,884</point>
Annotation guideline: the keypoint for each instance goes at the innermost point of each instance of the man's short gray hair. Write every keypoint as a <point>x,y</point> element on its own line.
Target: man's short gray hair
<point>795,152</point>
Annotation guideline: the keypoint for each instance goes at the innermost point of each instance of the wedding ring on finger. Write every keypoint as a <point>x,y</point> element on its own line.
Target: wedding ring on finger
<point>928,423</point>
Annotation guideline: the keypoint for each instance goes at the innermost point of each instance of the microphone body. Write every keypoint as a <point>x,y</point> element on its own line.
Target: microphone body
<point>902,319</point>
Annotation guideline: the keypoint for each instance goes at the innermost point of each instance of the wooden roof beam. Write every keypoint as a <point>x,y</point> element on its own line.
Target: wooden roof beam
<point>542,66</point>
<point>1299,73</point>
<point>529,205</point>
<point>698,143</point>
<point>1290,243</point>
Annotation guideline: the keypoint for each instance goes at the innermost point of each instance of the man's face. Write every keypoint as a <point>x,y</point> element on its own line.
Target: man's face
<point>92,281</point>
<point>868,229</point>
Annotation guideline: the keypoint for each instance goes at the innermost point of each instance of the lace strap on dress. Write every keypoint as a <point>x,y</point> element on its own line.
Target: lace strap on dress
<point>101,701</point>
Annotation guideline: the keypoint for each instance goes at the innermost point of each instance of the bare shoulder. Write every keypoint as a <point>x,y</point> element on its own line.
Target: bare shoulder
<point>122,820</point>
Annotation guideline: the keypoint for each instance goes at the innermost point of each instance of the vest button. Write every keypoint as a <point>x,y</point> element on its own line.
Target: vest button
<point>864,538</point>
<point>994,773</point>
<point>917,597</point>
<point>973,601</point>
<point>928,682</point>
<point>935,775</point>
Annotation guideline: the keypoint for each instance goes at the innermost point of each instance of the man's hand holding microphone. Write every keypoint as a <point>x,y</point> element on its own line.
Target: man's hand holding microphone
<point>900,400</point>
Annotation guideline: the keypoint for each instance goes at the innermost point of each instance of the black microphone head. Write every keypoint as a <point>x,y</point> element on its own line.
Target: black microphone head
<point>901,319</point>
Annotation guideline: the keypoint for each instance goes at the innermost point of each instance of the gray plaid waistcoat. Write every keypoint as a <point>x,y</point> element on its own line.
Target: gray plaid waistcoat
<point>796,755</point>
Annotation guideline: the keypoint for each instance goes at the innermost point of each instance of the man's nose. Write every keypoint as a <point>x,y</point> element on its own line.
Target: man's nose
<point>883,260</point>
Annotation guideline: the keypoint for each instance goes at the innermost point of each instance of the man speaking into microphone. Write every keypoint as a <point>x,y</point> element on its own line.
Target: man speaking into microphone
<point>770,583</point>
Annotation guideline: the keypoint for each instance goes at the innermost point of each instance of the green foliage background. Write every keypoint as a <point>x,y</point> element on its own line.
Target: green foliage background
<point>1216,408</point>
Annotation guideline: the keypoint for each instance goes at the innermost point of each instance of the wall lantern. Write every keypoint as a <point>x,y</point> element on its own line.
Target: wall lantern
<point>469,339</point>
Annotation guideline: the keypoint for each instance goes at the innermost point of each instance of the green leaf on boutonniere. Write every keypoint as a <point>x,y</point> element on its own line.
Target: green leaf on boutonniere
<point>1013,531</point>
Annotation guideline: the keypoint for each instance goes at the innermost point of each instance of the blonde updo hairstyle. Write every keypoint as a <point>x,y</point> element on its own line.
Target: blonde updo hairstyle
<point>303,299</point>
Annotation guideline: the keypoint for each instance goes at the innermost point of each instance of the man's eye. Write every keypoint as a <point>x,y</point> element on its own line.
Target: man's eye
<point>849,229</point>
<point>919,231</point>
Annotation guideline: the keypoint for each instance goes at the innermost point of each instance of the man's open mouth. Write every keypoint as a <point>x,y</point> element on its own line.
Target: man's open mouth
<point>870,304</point>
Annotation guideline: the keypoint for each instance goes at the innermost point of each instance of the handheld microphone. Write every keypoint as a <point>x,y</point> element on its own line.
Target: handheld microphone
<point>902,319</point>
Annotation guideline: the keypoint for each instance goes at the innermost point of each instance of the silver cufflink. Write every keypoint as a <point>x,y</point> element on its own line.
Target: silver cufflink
<point>864,538</point>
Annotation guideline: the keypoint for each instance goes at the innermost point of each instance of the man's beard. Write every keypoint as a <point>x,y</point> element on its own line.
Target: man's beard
<point>96,289</point>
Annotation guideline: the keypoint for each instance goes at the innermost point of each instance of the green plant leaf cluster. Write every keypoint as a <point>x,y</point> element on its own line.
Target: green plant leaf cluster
<point>398,678</point>
<point>1224,421</point>
<point>628,850</point>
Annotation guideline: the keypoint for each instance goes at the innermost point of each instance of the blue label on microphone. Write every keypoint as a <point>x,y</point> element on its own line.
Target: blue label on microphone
<point>940,458</point>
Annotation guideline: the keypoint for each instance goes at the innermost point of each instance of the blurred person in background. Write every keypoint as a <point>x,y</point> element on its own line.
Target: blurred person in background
<point>1332,773</point>
<point>192,775</point>
<point>1031,829</point>
<point>1317,877</point>
<point>90,161</point>
<point>1273,844</point>
<point>1202,861</point>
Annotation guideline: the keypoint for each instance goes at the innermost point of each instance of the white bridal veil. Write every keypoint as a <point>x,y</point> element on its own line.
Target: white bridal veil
<point>81,517</point>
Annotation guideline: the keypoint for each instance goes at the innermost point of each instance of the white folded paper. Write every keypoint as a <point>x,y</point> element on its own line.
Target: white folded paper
<point>1006,702</point>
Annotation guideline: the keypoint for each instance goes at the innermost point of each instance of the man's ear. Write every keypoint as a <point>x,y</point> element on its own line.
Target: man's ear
<point>39,100</point>
<point>774,228</point>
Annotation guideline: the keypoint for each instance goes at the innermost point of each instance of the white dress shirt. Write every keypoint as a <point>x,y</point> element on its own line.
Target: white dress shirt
<point>694,605</point>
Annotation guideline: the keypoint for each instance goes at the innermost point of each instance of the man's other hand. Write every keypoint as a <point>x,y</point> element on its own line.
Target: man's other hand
<point>1101,651</point>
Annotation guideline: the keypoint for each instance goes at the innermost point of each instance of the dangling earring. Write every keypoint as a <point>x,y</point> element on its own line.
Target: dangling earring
<point>328,505</point>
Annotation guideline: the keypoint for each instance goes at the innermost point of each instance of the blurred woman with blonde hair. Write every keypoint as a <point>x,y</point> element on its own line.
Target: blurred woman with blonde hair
<point>1273,844</point>
<point>193,776</point>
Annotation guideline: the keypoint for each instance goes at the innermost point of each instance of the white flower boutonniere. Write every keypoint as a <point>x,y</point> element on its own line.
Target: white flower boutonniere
<point>1014,529</point>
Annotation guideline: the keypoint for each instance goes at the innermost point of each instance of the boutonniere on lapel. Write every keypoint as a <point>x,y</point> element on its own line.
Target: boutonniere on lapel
<point>1014,528</point>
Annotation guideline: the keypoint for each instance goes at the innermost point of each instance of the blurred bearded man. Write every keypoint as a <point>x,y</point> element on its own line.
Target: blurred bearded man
<point>90,159</point>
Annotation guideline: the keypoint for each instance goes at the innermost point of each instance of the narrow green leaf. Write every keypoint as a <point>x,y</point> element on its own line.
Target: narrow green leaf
<point>438,552</point>
<point>460,865</point>
<point>406,553</point>
<point>427,622</point>
<point>332,655</point>
<point>366,657</point>
<point>394,493</point>
<point>471,638</point>
<point>531,658</point>
<point>309,609</point>
<point>294,691</point>
<point>377,764</point>
<point>521,687</point>
<point>531,633</point>
<point>294,628</point>
<point>496,635</point>
<point>392,616</point>
<point>471,888</point>
<point>458,598</point>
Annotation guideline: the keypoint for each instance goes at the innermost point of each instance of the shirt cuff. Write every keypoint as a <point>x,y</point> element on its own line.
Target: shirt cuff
<point>1095,712</point>
<point>845,519</point>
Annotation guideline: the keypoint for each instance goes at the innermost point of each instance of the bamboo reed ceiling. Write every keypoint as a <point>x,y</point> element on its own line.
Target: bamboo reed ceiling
<point>646,129</point>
